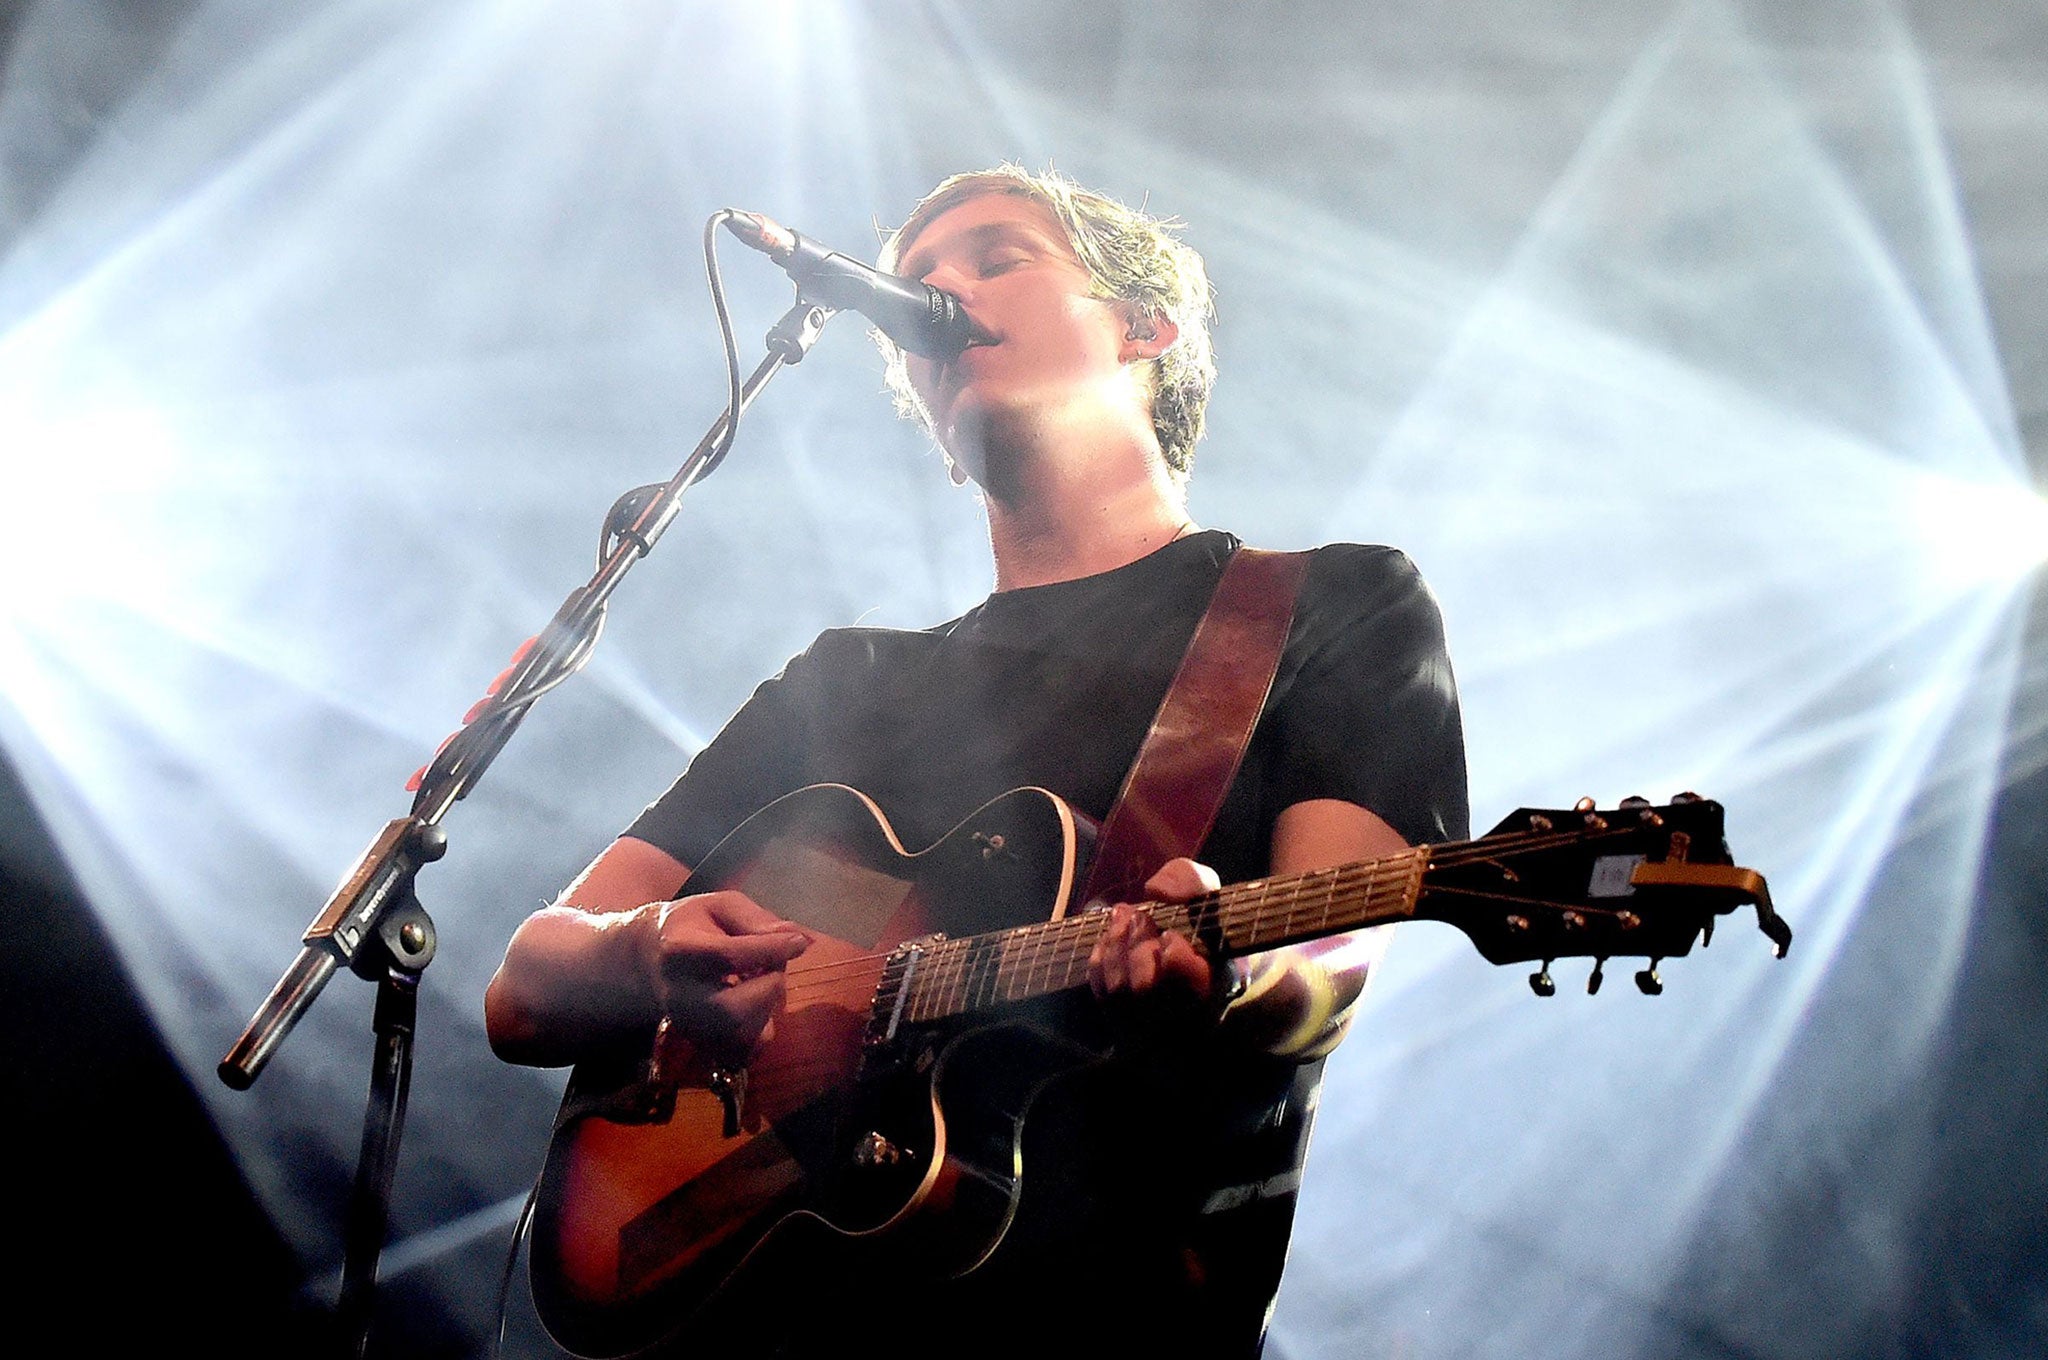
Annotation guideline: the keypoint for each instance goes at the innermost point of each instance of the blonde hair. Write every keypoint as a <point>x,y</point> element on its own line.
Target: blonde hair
<point>1133,258</point>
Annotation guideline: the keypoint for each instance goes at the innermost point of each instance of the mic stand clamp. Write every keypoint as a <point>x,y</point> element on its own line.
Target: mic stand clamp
<point>393,954</point>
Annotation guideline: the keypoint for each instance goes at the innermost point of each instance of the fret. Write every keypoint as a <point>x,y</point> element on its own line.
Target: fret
<point>943,983</point>
<point>1072,938</point>
<point>1012,962</point>
<point>972,950</point>
<point>985,955</point>
<point>1026,947</point>
<point>957,983</point>
<point>1292,911</point>
<point>1031,980</point>
<point>1044,959</point>
<point>1058,944</point>
<point>925,1003</point>
<point>1265,895</point>
<point>1038,977</point>
<point>1004,971</point>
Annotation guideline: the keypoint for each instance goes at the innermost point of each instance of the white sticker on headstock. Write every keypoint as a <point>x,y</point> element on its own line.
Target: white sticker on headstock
<point>1611,876</point>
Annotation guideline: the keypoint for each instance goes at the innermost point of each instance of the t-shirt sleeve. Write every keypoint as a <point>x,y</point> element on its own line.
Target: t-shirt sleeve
<point>1369,712</point>
<point>755,759</point>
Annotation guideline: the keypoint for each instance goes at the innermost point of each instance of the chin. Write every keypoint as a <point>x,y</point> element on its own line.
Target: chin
<point>970,430</point>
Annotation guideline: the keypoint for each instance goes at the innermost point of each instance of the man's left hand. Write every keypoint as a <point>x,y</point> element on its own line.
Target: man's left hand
<point>1150,977</point>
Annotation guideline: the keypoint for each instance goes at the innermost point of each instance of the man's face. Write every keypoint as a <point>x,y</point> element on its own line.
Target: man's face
<point>1052,347</point>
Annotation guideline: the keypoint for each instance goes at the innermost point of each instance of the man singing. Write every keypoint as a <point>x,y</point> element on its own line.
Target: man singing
<point>1165,1176</point>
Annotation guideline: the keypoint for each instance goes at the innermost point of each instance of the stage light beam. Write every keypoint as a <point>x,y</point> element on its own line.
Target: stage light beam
<point>1979,533</point>
<point>81,488</point>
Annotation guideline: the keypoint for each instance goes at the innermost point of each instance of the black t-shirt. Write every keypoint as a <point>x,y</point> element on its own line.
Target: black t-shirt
<point>1056,685</point>
<point>1174,1175</point>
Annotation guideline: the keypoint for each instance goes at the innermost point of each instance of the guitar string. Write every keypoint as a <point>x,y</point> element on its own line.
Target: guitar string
<point>945,955</point>
<point>948,958</point>
<point>986,961</point>
<point>1229,897</point>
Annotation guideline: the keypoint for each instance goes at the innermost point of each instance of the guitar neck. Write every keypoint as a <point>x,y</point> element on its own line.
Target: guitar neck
<point>953,977</point>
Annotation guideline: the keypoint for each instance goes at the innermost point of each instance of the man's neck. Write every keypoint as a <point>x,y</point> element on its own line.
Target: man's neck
<point>1068,517</point>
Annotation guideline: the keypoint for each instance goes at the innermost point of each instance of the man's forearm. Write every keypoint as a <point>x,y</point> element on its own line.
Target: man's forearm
<point>573,983</point>
<point>1298,1003</point>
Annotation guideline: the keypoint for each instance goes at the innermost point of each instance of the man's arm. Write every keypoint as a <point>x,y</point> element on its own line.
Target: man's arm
<point>616,953</point>
<point>1299,1001</point>
<point>1296,1002</point>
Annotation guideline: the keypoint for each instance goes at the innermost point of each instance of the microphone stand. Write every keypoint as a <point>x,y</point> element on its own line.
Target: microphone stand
<point>374,923</point>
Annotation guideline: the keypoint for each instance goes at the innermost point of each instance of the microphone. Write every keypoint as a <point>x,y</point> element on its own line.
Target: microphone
<point>917,316</point>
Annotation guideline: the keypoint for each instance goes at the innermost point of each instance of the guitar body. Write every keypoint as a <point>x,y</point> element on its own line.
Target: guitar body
<point>875,1138</point>
<point>668,1208</point>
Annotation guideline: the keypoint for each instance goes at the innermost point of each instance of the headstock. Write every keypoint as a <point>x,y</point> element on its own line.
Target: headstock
<point>1636,881</point>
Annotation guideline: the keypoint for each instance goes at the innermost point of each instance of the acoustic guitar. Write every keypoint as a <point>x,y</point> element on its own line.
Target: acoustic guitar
<point>879,1125</point>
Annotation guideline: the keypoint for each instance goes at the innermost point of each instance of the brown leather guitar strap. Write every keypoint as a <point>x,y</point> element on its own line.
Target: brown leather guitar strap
<point>1188,759</point>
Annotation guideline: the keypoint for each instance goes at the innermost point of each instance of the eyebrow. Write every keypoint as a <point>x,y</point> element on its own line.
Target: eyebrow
<point>920,261</point>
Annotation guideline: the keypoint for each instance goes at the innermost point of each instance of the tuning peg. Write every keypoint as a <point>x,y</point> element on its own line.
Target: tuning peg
<point>1687,797</point>
<point>1540,981</point>
<point>1640,806</point>
<point>1598,976</point>
<point>1647,981</point>
<point>1585,804</point>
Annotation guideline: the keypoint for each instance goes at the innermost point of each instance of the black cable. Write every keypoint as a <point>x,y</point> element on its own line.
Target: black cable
<point>732,350</point>
<point>511,703</point>
<point>520,1227</point>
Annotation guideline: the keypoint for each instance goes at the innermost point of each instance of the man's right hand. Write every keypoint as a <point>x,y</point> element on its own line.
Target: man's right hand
<point>718,961</point>
<point>596,972</point>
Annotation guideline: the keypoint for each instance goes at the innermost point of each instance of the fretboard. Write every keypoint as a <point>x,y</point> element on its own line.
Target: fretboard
<point>953,977</point>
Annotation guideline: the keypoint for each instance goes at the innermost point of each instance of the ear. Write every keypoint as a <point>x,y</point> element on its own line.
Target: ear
<point>1148,336</point>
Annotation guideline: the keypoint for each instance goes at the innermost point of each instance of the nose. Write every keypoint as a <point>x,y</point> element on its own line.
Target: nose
<point>949,278</point>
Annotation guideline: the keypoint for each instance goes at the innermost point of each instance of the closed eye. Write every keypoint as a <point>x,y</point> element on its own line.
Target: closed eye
<point>1001,263</point>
